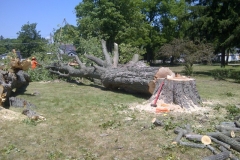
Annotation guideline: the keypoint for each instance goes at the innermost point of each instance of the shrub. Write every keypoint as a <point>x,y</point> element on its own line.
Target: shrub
<point>235,74</point>
<point>188,69</point>
<point>40,74</point>
<point>221,74</point>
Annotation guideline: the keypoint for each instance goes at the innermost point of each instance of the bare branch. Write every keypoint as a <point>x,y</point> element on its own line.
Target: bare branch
<point>99,68</point>
<point>79,62</point>
<point>106,55</point>
<point>59,73</point>
<point>96,60</point>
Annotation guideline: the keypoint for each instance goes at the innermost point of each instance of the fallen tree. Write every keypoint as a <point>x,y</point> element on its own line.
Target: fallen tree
<point>133,77</point>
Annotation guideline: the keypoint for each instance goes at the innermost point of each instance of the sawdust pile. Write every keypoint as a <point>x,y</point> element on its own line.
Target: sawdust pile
<point>165,108</point>
<point>9,115</point>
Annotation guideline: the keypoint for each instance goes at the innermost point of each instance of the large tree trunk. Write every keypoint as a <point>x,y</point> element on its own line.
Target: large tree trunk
<point>134,77</point>
<point>181,91</point>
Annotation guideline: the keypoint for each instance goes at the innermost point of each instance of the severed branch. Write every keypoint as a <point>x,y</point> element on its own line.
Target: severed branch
<point>221,156</point>
<point>59,73</point>
<point>157,122</point>
<point>106,55</point>
<point>227,128</point>
<point>98,61</point>
<point>135,58</point>
<point>191,144</point>
<point>79,62</point>
<point>232,156</point>
<point>233,143</point>
<point>115,55</point>
<point>181,132</point>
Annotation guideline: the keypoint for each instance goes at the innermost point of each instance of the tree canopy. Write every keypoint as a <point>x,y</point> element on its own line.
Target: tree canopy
<point>31,40</point>
<point>139,23</point>
<point>218,22</point>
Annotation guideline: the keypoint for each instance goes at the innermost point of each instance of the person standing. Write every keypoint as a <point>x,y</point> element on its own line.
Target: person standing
<point>34,63</point>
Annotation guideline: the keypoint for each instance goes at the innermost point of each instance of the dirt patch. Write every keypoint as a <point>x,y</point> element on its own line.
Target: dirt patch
<point>9,115</point>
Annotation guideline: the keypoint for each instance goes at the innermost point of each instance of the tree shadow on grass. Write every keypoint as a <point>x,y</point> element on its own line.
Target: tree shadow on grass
<point>121,91</point>
<point>202,73</point>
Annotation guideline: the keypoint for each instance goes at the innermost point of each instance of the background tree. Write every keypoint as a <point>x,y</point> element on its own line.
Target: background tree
<point>191,51</point>
<point>1,38</point>
<point>7,45</point>
<point>31,40</point>
<point>218,22</point>
<point>114,21</point>
<point>65,34</point>
<point>145,24</point>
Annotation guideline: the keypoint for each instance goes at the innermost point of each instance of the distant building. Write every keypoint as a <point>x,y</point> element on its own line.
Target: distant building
<point>232,57</point>
<point>3,56</point>
<point>67,49</point>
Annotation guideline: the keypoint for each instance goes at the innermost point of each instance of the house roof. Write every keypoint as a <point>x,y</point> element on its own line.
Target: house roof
<point>67,47</point>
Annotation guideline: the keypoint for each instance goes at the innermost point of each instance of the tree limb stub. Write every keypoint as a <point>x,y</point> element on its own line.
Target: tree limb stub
<point>105,52</point>
<point>115,56</point>
<point>79,62</point>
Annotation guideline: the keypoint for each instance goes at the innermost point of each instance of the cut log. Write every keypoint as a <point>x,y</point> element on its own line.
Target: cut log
<point>220,156</point>
<point>180,91</point>
<point>227,128</point>
<point>193,145</point>
<point>206,140</point>
<point>229,124</point>
<point>231,156</point>
<point>233,143</point>
<point>193,137</point>
<point>229,133</point>
<point>237,139</point>
<point>157,122</point>
<point>225,145</point>
<point>178,138</point>
<point>179,129</point>
<point>212,149</point>
<point>237,124</point>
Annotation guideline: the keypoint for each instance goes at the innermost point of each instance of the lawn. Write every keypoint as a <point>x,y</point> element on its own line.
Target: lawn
<point>85,121</point>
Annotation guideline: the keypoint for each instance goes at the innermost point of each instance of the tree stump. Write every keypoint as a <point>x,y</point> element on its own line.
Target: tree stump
<point>181,91</point>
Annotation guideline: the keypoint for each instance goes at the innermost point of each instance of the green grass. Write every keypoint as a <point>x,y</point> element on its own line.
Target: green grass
<point>88,122</point>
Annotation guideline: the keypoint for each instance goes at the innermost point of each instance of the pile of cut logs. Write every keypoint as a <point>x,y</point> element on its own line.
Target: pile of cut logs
<point>223,143</point>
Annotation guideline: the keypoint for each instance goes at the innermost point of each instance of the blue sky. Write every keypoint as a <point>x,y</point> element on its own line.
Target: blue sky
<point>48,14</point>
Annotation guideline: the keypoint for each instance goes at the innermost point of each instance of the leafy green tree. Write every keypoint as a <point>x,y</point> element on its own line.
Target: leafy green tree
<point>190,51</point>
<point>1,38</point>
<point>165,19</point>
<point>7,45</point>
<point>31,40</point>
<point>140,23</point>
<point>65,34</point>
<point>114,21</point>
<point>218,22</point>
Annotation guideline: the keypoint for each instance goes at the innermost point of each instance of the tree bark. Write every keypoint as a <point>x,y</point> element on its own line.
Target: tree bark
<point>182,92</point>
